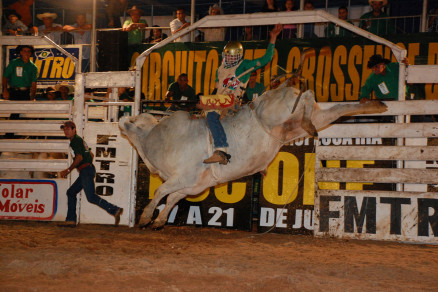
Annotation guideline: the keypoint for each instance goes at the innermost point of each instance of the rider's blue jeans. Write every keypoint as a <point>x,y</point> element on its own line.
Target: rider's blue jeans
<point>216,129</point>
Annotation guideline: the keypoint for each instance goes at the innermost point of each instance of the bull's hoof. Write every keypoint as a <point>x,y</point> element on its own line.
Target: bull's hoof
<point>157,225</point>
<point>157,228</point>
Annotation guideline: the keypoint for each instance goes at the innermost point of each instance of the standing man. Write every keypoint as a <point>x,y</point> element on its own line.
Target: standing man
<point>377,26</point>
<point>231,79</point>
<point>383,80</point>
<point>21,76</point>
<point>83,162</point>
<point>181,90</point>
<point>81,32</point>
<point>134,25</point>
<point>51,30</point>
<point>178,24</point>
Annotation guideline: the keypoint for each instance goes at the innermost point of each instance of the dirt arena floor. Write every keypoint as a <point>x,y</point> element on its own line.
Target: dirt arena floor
<point>38,256</point>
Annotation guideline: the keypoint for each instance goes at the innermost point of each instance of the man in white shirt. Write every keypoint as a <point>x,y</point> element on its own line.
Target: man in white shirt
<point>178,24</point>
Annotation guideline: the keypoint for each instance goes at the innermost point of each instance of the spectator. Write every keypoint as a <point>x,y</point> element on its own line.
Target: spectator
<point>51,30</point>
<point>66,91</point>
<point>178,24</point>
<point>373,25</point>
<point>21,75</point>
<point>253,89</point>
<point>383,80</point>
<point>114,11</point>
<point>216,34</point>
<point>81,32</point>
<point>309,28</point>
<point>248,34</point>
<point>433,21</point>
<point>156,35</point>
<point>270,6</point>
<point>14,26</point>
<point>333,30</point>
<point>134,26</point>
<point>49,94</point>
<point>22,7</point>
<point>289,30</point>
<point>181,90</point>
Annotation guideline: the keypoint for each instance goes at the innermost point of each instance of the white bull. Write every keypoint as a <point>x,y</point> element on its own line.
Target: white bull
<point>175,147</point>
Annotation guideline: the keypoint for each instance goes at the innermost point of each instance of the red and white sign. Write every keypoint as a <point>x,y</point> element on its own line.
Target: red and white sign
<point>27,199</point>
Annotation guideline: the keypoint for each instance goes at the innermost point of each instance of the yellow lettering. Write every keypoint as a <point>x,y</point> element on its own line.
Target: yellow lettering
<point>190,67</point>
<point>413,51</point>
<point>309,179</point>
<point>323,74</point>
<point>200,57</point>
<point>46,66</point>
<point>238,190</point>
<point>340,57</point>
<point>178,61</point>
<point>145,83</point>
<point>287,179</point>
<point>210,71</point>
<point>357,164</point>
<point>154,76</point>
<point>168,70</point>
<point>431,90</point>
<point>330,185</point>
<point>56,70</point>
<point>68,69</point>
<point>201,197</point>
<point>309,68</point>
<point>352,89</point>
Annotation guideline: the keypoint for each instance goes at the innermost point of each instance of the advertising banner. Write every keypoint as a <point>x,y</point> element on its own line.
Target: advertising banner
<point>335,68</point>
<point>225,206</point>
<point>113,172</point>
<point>42,200</point>
<point>53,66</point>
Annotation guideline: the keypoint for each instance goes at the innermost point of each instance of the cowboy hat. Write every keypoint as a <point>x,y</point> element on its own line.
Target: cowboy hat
<point>215,7</point>
<point>384,1</point>
<point>134,8</point>
<point>47,14</point>
<point>376,59</point>
<point>71,89</point>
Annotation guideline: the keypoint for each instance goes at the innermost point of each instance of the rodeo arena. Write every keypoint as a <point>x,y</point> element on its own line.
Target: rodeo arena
<point>219,145</point>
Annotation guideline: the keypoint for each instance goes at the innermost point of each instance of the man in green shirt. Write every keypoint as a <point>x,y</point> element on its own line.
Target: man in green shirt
<point>372,24</point>
<point>134,26</point>
<point>253,89</point>
<point>83,162</point>
<point>181,90</point>
<point>383,80</point>
<point>21,76</point>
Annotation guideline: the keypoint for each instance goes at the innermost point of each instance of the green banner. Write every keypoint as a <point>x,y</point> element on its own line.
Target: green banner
<point>335,67</point>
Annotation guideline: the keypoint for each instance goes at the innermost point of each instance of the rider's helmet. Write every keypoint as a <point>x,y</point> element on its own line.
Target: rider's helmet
<point>232,53</point>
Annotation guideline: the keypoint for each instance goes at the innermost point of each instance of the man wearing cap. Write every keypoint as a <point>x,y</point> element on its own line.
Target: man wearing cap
<point>133,26</point>
<point>14,26</point>
<point>21,76</point>
<point>377,26</point>
<point>51,30</point>
<point>383,80</point>
<point>83,162</point>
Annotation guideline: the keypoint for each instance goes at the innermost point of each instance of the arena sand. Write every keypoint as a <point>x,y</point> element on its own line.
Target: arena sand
<point>39,256</point>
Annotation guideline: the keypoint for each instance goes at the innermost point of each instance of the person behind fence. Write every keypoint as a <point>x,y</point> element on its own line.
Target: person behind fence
<point>178,24</point>
<point>253,89</point>
<point>134,26</point>
<point>49,29</point>
<point>383,81</point>
<point>181,90</point>
<point>83,162</point>
<point>214,34</point>
<point>289,30</point>
<point>21,76</point>
<point>23,8</point>
<point>65,91</point>
<point>156,35</point>
<point>14,26</point>
<point>231,79</point>
<point>81,32</point>
<point>114,11</point>
<point>432,24</point>
<point>334,30</point>
<point>371,23</point>
<point>309,28</point>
